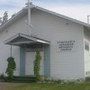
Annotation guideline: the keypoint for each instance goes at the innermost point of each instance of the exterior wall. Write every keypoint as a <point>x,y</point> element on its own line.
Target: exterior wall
<point>5,53</point>
<point>87,52</point>
<point>63,65</point>
<point>17,27</point>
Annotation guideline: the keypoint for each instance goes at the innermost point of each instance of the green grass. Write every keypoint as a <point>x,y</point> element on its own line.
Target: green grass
<point>38,86</point>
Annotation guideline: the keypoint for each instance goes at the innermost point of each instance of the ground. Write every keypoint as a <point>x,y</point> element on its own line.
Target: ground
<point>35,86</point>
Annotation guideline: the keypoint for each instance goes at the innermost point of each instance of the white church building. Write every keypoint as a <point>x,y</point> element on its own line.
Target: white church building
<point>64,44</point>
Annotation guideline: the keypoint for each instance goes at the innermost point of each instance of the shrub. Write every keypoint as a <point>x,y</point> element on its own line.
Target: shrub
<point>87,79</point>
<point>37,65</point>
<point>11,67</point>
<point>18,79</point>
<point>2,77</point>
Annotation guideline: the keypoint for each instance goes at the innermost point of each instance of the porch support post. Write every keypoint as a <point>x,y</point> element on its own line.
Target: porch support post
<point>47,61</point>
<point>22,61</point>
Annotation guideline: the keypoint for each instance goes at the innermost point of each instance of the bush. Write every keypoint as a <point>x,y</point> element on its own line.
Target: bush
<point>24,79</point>
<point>19,79</point>
<point>11,67</point>
<point>87,79</point>
<point>37,65</point>
<point>2,77</point>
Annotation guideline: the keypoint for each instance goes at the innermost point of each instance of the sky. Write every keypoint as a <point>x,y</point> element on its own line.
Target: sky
<point>77,9</point>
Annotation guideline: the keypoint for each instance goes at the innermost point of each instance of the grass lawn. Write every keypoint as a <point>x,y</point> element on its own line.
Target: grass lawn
<point>35,86</point>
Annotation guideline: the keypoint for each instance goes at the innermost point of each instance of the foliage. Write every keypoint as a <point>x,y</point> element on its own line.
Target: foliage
<point>87,79</point>
<point>46,86</point>
<point>11,67</point>
<point>5,17</point>
<point>2,76</point>
<point>37,65</point>
<point>18,79</point>
<point>24,79</point>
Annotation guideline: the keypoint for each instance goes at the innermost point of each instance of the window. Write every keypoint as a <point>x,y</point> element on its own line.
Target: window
<point>87,46</point>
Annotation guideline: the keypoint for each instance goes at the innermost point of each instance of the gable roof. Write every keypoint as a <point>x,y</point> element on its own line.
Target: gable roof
<point>25,9</point>
<point>22,39</point>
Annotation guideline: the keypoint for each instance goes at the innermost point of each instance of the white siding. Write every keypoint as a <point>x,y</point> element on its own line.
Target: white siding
<point>87,52</point>
<point>63,65</point>
<point>17,27</point>
<point>66,65</point>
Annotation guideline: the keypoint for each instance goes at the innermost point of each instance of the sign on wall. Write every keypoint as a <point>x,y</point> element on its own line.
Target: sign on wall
<point>66,45</point>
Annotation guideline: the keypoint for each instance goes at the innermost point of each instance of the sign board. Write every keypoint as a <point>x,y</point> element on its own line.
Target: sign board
<point>66,45</point>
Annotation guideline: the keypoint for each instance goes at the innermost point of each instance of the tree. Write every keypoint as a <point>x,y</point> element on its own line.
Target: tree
<point>11,67</point>
<point>0,20</point>
<point>37,65</point>
<point>5,17</point>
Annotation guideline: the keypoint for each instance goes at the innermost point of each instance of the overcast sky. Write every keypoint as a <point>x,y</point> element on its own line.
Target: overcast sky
<point>78,9</point>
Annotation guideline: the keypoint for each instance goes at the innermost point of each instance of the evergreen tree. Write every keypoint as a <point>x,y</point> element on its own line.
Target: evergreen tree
<point>5,17</point>
<point>11,67</point>
<point>37,65</point>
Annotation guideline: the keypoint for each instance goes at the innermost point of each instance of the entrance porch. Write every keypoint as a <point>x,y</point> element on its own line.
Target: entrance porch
<point>28,46</point>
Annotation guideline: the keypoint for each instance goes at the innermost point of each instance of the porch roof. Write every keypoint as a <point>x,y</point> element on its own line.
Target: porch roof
<point>23,39</point>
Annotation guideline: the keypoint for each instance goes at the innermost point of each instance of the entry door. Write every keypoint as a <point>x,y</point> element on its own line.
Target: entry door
<point>29,68</point>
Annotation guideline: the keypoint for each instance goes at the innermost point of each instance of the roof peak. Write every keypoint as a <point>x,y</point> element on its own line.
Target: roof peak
<point>24,10</point>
